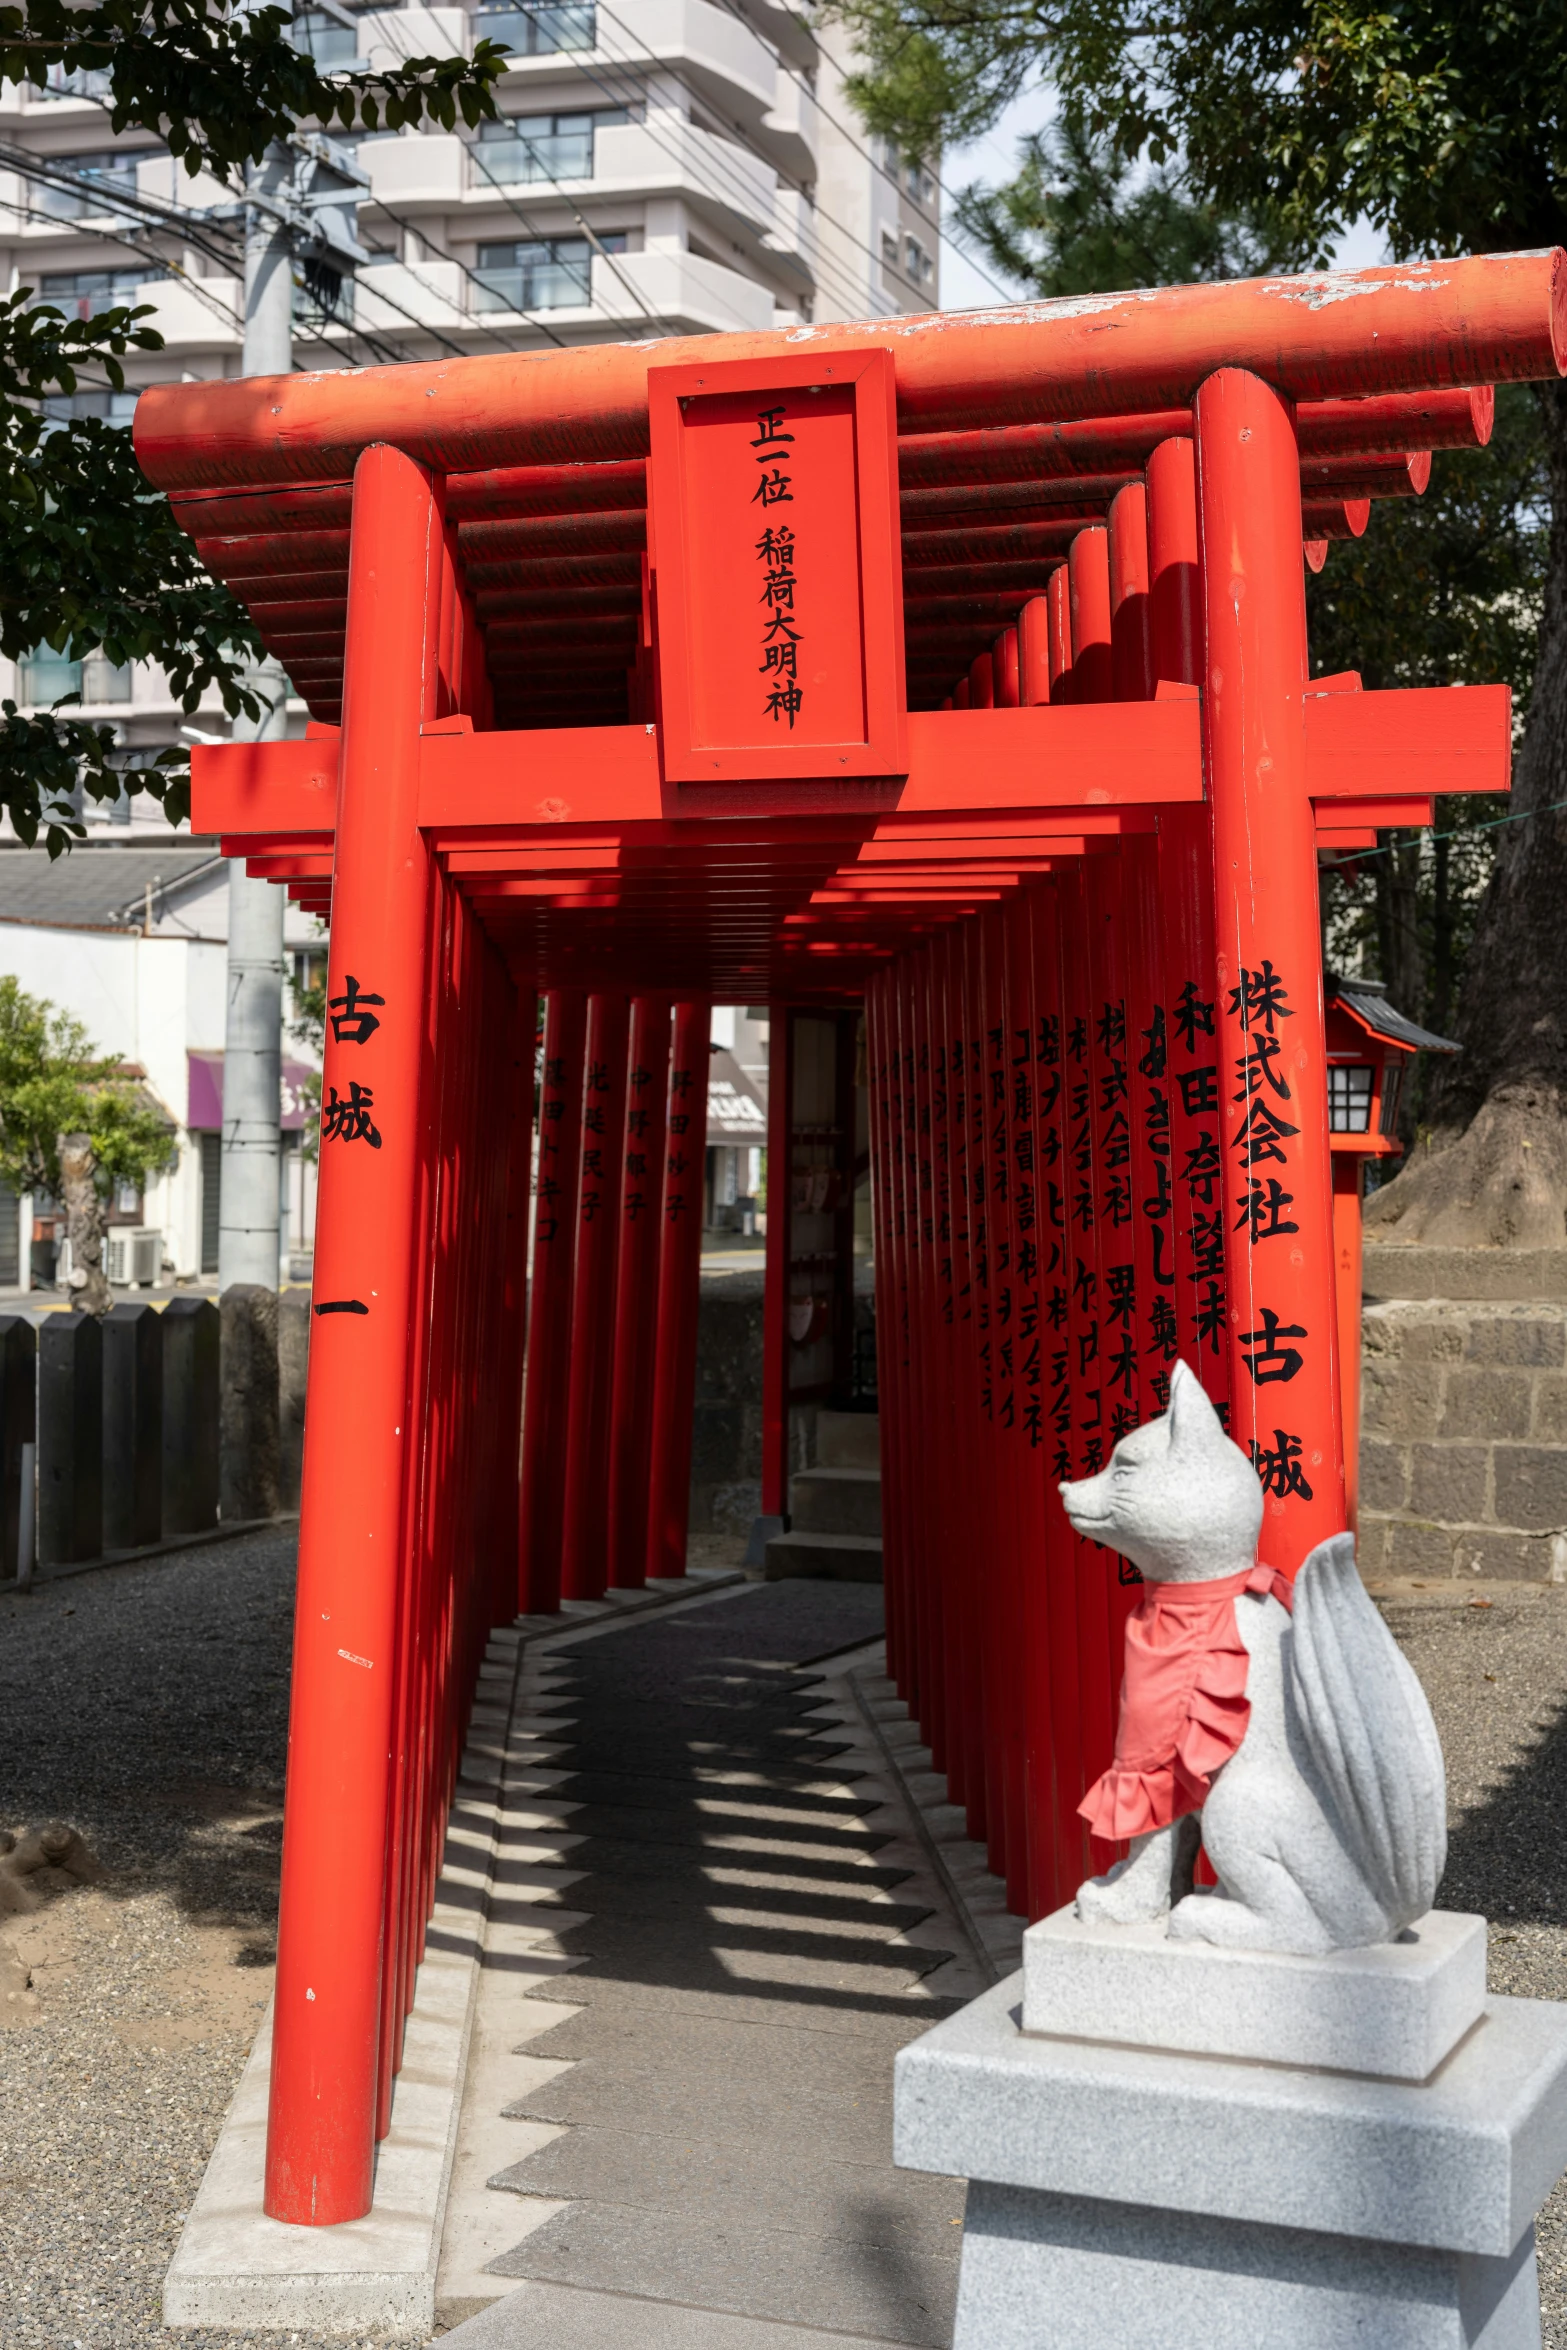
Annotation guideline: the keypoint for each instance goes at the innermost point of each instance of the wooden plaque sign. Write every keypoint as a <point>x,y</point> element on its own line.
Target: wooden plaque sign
<point>778,594</point>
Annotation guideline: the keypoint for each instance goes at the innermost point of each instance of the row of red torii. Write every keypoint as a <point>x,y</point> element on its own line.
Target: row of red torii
<point>952,666</point>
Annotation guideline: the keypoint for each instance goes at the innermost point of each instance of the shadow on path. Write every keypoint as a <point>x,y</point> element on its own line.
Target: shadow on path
<point>741,1989</point>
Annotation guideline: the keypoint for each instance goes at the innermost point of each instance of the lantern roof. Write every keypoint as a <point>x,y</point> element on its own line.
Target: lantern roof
<point>1365,1000</point>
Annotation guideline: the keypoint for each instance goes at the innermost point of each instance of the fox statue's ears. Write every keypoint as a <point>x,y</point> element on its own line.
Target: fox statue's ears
<point>1193,1420</point>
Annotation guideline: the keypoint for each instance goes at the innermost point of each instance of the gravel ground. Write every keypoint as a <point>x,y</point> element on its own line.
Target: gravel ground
<point>1494,1665</point>
<point>148,1706</point>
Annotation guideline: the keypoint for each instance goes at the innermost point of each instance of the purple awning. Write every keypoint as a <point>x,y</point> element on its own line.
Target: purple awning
<point>204,1107</point>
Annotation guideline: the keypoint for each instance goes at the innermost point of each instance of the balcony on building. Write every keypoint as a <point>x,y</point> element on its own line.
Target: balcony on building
<point>668,154</point>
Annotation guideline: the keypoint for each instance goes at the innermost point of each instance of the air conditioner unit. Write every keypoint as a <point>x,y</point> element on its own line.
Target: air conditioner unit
<point>134,1256</point>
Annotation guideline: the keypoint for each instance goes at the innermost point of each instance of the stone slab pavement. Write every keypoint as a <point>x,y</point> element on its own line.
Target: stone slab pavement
<point>718,1920</point>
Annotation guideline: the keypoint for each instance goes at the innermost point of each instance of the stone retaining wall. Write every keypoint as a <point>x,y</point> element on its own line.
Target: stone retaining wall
<point>1463,1452</point>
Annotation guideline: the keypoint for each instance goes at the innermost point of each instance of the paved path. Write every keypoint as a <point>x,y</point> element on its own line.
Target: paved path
<point>708,2115</point>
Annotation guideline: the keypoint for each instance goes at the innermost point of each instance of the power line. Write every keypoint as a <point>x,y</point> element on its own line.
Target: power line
<point>1457,832</point>
<point>472,274</point>
<point>117,201</point>
<point>738,184</point>
<point>577,214</point>
<point>474,150</point>
<point>198,286</point>
<point>841,126</point>
<point>799,186</point>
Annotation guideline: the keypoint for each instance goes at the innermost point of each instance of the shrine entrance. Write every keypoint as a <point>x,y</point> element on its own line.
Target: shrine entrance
<point>951,672</point>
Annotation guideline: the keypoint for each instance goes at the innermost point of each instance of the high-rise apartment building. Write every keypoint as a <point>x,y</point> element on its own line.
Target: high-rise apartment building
<point>660,167</point>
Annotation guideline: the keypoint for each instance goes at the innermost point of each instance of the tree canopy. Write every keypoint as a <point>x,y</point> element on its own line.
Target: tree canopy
<point>91,559</point>
<point>1191,135</point>
<point>53,1083</point>
<point>1444,124</point>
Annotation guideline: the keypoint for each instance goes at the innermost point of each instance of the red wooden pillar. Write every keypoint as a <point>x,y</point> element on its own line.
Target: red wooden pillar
<point>1033,652</point>
<point>545,1391</point>
<point>1004,661</point>
<point>1054,939</point>
<point>965,1777</point>
<point>1088,596</point>
<point>886,1149</point>
<point>1131,624</point>
<point>503,1504</point>
<point>1349,1178</point>
<point>412,1731</point>
<point>1277,1170</point>
<point>680,1289</point>
<point>1148,1041</point>
<point>585,1545</point>
<point>1031,1844</point>
<point>353,1519</point>
<point>775,1282</point>
<point>1058,603</point>
<point>1187,948</point>
<point>1015,1549</point>
<point>636,1301</point>
<point>987,1566</point>
<point>933,1302</point>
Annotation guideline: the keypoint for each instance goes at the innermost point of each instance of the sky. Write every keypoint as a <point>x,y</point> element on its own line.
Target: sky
<point>964,286</point>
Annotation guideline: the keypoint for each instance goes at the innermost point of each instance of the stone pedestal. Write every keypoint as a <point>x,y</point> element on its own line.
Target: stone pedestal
<point>1128,2196</point>
<point>132,1427</point>
<point>191,1402</point>
<point>70,1439</point>
<point>250,1448</point>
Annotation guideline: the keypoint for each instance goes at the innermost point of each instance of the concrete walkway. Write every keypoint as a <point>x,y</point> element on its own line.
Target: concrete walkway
<point>719,1920</point>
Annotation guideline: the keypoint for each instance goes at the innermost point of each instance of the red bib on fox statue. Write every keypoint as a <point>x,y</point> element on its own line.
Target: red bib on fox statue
<point>1184,1707</point>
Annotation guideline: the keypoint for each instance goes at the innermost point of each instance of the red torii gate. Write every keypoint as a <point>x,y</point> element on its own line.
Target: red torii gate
<point>1012,735</point>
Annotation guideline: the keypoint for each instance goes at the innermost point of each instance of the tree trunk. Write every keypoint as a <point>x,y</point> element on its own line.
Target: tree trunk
<point>1492,1170</point>
<point>84,1225</point>
<point>1398,922</point>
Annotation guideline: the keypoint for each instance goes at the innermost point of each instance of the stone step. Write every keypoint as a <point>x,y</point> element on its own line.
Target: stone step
<point>842,1558</point>
<point>848,1440</point>
<point>836,1501</point>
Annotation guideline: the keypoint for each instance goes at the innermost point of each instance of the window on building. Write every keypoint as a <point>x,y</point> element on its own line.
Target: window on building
<point>542,146</point>
<point>889,258</point>
<point>107,407</point>
<point>322,38</point>
<point>86,82</point>
<point>105,681</point>
<point>917,262</point>
<point>47,676</point>
<point>91,291</point>
<point>537,32</point>
<point>101,173</point>
<point>540,273</point>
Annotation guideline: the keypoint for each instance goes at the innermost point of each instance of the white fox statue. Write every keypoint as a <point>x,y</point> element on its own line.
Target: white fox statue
<point>1323,1808</point>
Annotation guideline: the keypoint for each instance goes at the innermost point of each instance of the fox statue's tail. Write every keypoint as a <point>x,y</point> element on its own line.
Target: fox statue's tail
<point>1366,1722</point>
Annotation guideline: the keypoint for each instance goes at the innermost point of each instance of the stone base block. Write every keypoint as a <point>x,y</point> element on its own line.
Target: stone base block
<point>1130,2198</point>
<point>1394,2012</point>
<point>1059,2272</point>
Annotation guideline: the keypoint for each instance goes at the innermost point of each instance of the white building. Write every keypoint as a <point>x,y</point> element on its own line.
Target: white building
<point>661,167</point>
<point>130,935</point>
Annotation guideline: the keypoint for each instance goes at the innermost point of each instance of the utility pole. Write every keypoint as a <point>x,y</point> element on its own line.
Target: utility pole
<point>250,1211</point>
